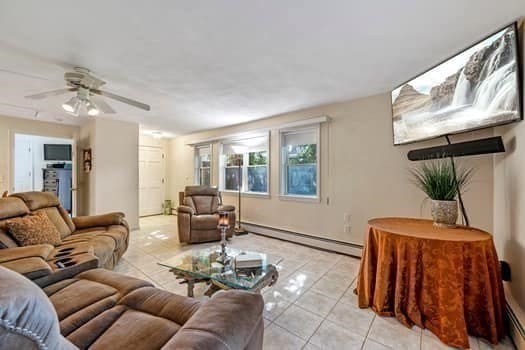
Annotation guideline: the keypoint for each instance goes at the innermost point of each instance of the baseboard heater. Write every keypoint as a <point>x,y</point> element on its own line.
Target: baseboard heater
<point>517,333</point>
<point>322,243</point>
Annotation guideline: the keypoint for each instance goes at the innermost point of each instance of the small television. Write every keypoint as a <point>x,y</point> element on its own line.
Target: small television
<point>57,152</point>
<point>477,88</point>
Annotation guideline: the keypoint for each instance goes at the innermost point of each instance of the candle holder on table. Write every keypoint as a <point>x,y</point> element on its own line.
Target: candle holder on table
<point>224,225</point>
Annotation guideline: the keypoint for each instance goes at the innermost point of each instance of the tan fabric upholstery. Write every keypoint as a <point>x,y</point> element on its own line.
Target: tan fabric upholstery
<point>100,309</point>
<point>6,241</point>
<point>27,318</point>
<point>198,218</point>
<point>35,228</point>
<point>108,234</point>
<point>42,251</point>
<point>54,215</point>
<point>37,200</point>
<point>12,207</point>
<point>204,222</point>
<point>31,267</point>
<point>226,322</point>
<point>82,222</point>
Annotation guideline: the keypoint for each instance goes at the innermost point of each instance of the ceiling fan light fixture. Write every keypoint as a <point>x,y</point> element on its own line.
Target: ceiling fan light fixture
<point>72,106</point>
<point>92,108</point>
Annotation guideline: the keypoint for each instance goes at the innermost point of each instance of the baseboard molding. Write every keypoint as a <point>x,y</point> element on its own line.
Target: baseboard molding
<point>516,319</point>
<point>516,330</point>
<point>328,244</point>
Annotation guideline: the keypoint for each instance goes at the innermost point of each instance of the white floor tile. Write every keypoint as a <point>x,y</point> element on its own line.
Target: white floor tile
<point>331,336</point>
<point>277,338</point>
<point>299,321</point>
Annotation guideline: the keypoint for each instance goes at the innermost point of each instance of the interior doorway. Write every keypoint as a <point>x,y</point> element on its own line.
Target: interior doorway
<point>42,163</point>
<point>151,180</point>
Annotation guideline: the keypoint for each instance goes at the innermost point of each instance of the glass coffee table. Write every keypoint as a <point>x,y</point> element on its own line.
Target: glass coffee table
<point>200,265</point>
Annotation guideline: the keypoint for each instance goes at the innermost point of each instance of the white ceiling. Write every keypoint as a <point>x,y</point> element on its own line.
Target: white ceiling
<point>205,64</point>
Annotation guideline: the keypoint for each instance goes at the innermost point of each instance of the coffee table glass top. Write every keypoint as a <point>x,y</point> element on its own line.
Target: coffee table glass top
<point>202,263</point>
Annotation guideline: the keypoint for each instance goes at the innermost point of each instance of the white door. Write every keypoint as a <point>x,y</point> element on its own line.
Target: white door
<point>151,180</point>
<point>23,164</point>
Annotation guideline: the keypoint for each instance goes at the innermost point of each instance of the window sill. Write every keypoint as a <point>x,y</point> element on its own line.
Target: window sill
<point>246,194</point>
<point>298,198</point>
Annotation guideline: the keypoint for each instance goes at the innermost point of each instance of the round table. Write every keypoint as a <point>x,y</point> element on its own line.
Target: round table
<point>444,279</point>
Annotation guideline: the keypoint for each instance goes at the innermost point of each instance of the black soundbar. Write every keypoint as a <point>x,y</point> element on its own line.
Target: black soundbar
<point>461,149</point>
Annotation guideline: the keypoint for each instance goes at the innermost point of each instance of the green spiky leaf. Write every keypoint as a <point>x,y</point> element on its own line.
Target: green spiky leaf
<point>436,178</point>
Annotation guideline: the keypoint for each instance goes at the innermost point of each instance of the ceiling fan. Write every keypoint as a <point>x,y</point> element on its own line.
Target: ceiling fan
<point>88,95</point>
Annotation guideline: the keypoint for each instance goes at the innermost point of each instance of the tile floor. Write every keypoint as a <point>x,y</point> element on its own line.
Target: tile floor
<point>312,306</point>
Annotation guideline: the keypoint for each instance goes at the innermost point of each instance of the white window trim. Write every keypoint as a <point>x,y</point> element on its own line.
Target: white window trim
<point>282,187</point>
<point>245,168</point>
<point>196,172</point>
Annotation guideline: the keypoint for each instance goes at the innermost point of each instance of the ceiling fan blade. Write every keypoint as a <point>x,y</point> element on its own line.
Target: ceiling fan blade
<point>104,107</point>
<point>51,93</point>
<point>122,99</point>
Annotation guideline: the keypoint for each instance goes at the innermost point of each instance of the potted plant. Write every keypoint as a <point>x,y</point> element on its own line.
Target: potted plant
<point>441,182</point>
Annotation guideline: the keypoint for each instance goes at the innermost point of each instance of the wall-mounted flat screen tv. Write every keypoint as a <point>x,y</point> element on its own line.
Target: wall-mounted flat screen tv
<point>478,88</point>
<point>57,152</point>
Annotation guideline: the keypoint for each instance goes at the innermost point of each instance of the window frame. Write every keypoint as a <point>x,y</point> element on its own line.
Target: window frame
<point>245,166</point>
<point>283,173</point>
<point>197,164</point>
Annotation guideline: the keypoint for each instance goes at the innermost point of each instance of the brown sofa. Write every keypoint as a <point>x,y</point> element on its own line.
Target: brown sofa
<point>104,236</point>
<point>197,219</point>
<point>101,309</point>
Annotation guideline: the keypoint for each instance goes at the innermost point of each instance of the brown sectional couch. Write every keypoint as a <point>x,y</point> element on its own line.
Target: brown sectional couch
<point>100,309</point>
<point>104,236</point>
<point>81,306</point>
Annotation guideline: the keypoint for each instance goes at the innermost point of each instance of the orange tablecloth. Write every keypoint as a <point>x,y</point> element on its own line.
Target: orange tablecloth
<point>445,280</point>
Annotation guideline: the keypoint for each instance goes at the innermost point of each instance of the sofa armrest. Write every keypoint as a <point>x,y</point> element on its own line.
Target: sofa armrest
<point>82,222</point>
<point>229,320</point>
<point>31,267</point>
<point>29,261</point>
<point>226,207</point>
<point>42,251</point>
<point>185,209</point>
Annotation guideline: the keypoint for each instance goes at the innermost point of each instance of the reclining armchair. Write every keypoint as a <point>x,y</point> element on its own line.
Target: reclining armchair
<point>198,218</point>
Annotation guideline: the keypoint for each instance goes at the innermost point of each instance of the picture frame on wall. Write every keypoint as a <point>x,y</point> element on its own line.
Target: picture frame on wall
<point>87,159</point>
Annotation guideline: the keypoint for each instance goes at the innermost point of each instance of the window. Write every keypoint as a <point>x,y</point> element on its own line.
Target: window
<point>300,162</point>
<point>203,165</point>
<point>244,165</point>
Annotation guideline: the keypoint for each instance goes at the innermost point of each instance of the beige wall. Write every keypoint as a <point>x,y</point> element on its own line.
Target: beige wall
<point>509,205</point>
<point>113,182</point>
<point>10,126</point>
<point>362,173</point>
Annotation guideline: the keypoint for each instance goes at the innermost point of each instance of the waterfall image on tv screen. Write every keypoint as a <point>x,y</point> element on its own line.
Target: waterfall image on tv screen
<point>477,88</point>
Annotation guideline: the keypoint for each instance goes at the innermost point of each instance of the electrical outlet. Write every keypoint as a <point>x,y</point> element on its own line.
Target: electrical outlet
<point>347,228</point>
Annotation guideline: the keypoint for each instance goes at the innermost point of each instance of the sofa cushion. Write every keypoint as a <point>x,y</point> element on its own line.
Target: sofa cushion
<point>33,229</point>
<point>56,218</point>
<point>204,222</point>
<point>124,328</point>
<point>88,295</point>
<point>27,318</point>
<point>103,246</point>
<point>143,319</point>
<point>37,200</point>
<point>11,207</point>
